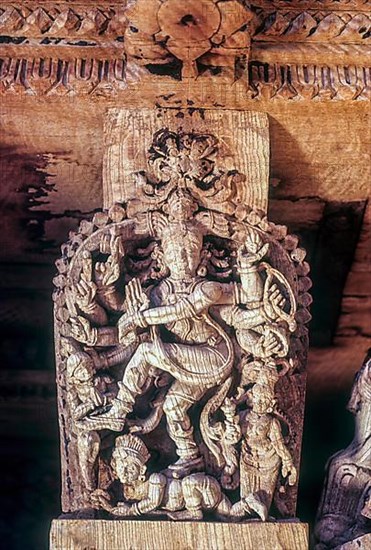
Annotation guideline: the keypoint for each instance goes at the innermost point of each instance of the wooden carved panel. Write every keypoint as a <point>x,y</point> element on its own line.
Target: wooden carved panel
<point>237,132</point>
<point>180,334</point>
<point>298,50</point>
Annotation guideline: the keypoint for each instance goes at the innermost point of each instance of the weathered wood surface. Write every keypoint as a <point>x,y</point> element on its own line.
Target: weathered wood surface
<point>353,334</point>
<point>189,166</point>
<point>243,139</point>
<point>304,50</point>
<point>312,82</point>
<point>139,535</point>
<point>51,180</point>
<point>52,173</point>
<point>344,509</point>
<point>360,543</point>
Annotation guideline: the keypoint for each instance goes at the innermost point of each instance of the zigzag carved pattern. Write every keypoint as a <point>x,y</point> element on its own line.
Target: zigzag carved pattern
<point>101,22</point>
<point>291,26</point>
<point>62,20</point>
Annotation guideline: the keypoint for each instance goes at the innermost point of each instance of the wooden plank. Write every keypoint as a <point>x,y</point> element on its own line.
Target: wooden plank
<point>161,535</point>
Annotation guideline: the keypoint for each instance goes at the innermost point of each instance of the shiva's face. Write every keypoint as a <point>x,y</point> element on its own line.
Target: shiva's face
<point>182,256</point>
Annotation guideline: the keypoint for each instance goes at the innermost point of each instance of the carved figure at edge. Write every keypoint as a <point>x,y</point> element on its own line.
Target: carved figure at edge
<point>187,339</point>
<point>88,391</point>
<point>263,452</point>
<point>344,510</point>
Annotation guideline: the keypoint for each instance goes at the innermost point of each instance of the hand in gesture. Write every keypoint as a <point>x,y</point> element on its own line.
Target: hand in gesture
<point>82,331</point>
<point>85,292</point>
<point>101,499</point>
<point>289,471</point>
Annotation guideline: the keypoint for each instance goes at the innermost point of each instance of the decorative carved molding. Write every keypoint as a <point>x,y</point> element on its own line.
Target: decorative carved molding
<point>108,78</point>
<point>61,20</point>
<point>64,48</point>
<point>283,21</point>
<point>309,82</point>
<point>198,34</point>
<point>53,76</point>
<point>250,174</point>
<point>314,26</point>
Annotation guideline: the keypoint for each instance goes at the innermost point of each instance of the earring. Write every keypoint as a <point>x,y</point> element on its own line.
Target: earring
<point>202,271</point>
<point>202,268</point>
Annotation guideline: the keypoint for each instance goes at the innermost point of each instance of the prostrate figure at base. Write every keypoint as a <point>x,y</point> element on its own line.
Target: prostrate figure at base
<point>184,499</point>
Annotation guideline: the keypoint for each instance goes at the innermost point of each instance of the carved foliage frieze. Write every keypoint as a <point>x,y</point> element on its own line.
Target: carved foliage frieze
<point>82,49</point>
<point>287,21</point>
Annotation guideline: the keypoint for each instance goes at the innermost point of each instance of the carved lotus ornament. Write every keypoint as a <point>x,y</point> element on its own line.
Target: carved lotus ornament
<point>187,32</point>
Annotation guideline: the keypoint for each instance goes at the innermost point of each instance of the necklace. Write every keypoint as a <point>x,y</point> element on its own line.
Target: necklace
<point>181,286</point>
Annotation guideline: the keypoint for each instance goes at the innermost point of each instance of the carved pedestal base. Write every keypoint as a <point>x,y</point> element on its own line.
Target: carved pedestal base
<point>147,535</point>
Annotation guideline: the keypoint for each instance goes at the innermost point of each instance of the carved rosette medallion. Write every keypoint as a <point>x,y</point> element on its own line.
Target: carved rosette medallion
<point>181,346</point>
<point>194,36</point>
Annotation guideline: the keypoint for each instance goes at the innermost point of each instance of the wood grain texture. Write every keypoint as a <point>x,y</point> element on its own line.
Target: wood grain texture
<point>52,172</point>
<point>316,50</point>
<point>184,160</point>
<point>159,535</point>
<point>278,72</point>
<point>243,138</point>
<point>54,98</point>
<point>335,366</point>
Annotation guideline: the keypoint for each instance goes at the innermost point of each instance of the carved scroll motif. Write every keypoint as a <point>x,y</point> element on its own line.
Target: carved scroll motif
<point>181,346</point>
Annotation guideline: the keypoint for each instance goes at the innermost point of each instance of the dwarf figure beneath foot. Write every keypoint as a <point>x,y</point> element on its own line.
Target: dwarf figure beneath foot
<point>186,295</point>
<point>184,499</point>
